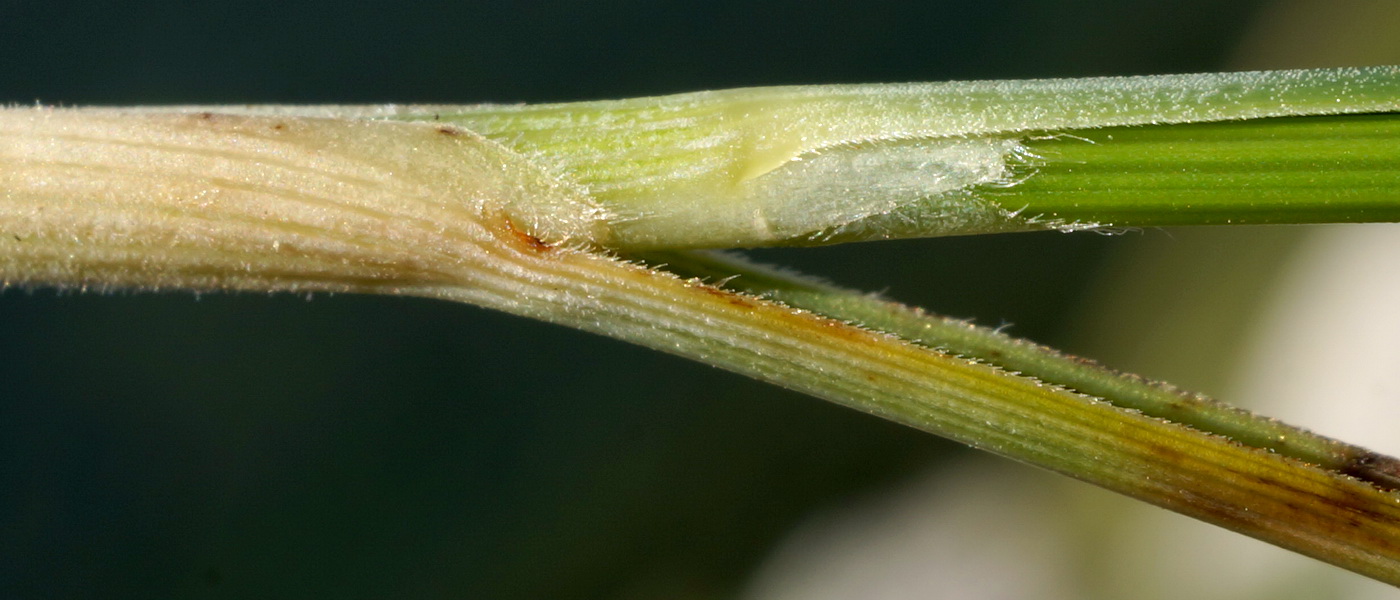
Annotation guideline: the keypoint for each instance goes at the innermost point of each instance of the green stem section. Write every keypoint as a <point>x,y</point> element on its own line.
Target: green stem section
<point>830,164</point>
<point>1282,170</point>
<point>1044,364</point>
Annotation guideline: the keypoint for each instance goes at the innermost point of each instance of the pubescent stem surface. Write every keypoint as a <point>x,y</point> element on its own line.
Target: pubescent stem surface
<point>327,199</point>
<point>1028,359</point>
<point>810,165</point>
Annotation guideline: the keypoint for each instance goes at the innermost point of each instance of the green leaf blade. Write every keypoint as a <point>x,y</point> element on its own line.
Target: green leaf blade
<point>1283,170</point>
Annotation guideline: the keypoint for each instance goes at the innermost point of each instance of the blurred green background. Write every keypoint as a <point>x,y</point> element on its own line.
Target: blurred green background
<point>356,447</point>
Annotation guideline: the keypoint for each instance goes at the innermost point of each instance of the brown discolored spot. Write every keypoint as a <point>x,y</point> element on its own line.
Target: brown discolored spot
<point>523,238</point>
<point>205,116</point>
<point>1350,505</point>
<point>734,298</point>
<point>1349,502</point>
<point>279,126</point>
<point>842,329</point>
<point>448,130</point>
<point>1166,454</point>
<point>1372,467</point>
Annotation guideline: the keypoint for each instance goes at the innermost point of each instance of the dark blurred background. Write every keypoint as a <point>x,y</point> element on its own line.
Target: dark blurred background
<point>357,447</point>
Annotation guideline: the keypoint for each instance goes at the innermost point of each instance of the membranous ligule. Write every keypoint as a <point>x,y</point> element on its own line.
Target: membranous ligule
<point>824,195</point>
<point>829,193</point>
